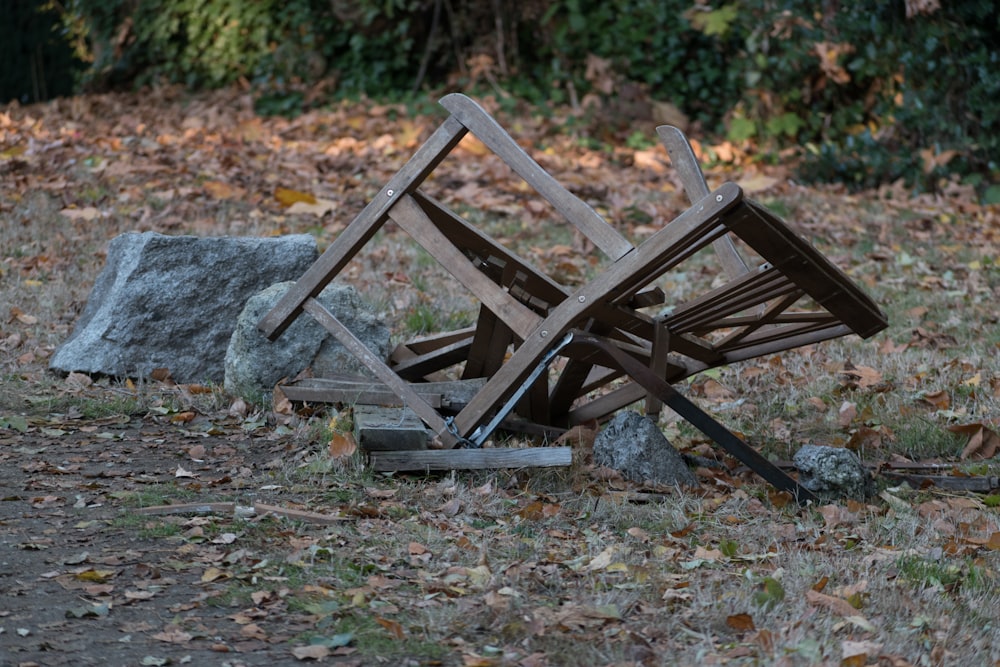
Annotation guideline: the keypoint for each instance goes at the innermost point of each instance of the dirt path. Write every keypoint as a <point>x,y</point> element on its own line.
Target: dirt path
<point>88,580</point>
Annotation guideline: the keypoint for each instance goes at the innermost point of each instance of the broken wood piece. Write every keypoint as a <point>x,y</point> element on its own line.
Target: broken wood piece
<point>189,508</point>
<point>299,515</point>
<point>389,429</point>
<point>451,394</point>
<point>472,459</point>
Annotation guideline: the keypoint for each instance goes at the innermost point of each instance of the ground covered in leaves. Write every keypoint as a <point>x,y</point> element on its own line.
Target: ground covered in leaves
<point>144,523</point>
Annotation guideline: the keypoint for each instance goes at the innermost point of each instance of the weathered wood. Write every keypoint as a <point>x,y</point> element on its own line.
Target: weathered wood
<point>423,366</point>
<point>410,397</point>
<point>472,459</point>
<point>685,163</point>
<point>408,215</point>
<point>623,278</point>
<point>576,211</point>
<point>360,231</point>
<point>448,394</point>
<point>389,429</point>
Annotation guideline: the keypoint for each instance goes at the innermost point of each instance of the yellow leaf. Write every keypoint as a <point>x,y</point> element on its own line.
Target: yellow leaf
<point>95,576</point>
<point>213,574</point>
<point>287,197</point>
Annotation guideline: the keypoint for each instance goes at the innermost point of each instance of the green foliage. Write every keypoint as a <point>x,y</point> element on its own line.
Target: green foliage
<point>874,94</point>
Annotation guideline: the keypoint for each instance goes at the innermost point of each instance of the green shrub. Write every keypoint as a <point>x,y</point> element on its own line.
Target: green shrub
<point>875,95</point>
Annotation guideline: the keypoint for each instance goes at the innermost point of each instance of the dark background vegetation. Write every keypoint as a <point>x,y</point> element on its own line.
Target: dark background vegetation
<point>865,93</point>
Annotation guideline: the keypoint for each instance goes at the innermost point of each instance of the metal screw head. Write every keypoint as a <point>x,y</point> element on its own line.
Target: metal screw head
<point>544,334</point>
<point>717,197</point>
<point>581,299</point>
<point>389,193</point>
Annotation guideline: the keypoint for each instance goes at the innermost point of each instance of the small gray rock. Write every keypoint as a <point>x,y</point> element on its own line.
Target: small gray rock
<point>254,364</point>
<point>832,472</point>
<point>172,302</point>
<point>635,446</point>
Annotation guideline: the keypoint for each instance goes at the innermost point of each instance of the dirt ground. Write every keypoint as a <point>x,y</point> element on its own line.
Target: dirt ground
<point>87,581</point>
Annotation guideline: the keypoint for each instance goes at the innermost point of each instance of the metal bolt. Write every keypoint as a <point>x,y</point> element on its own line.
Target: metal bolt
<point>581,299</point>
<point>389,193</point>
<point>717,197</point>
<point>544,334</point>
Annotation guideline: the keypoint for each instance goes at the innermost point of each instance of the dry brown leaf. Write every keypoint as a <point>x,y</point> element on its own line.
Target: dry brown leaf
<point>740,622</point>
<point>848,411</point>
<point>983,442</point>
<point>939,400</point>
<point>838,606</point>
<point>395,628</point>
<point>342,444</point>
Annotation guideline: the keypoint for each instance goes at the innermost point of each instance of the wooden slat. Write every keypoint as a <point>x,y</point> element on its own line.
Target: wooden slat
<point>410,397</point>
<point>422,366</point>
<point>576,211</point>
<point>472,459</point>
<point>830,287</point>
<point>435,341</point>
<point>685,163</point>
<point>750,290</point>
<point>489,347</point>
<point>411,218</point>
<point>361,230</point>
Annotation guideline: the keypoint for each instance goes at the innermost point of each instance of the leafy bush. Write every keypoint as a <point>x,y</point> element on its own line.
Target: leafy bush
<point>876,91</point>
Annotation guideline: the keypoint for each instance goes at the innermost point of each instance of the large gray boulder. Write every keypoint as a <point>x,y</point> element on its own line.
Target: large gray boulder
<point>172,302</point>
<point>635,446</point>
<point>832,472</point>
<point>254,364</point>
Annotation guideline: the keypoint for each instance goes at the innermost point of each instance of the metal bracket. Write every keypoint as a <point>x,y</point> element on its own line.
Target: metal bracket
<point>480,435</point>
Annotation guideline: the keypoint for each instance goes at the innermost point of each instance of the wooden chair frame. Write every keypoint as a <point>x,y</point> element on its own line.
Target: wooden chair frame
<point>593,325</point>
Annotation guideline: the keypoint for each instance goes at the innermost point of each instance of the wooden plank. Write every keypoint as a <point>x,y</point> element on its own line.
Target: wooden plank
<point>379,428</point>
<point>361,230</point>
<point>472,459</point>
<point>410,397</point>
<point>575,210</point>
<point>489,347</point>
<point>353,395</point>
<point>686,165</point>
<point>658,364</point>
<point>425,366</point>
<point>409,216</point>
<point>445,394</point>
<point>435,341</point>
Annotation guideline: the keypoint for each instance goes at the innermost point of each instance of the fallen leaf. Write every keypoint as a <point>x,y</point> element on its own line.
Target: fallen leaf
<point>312,652</point>
<point>342,444</point>
<point>394,627</point>
<point>287,197</point>
<point>86,214</point>
<point>320,208</point>
<point>983,442</point>
<point>836,605</point>
<point>740,622</point>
